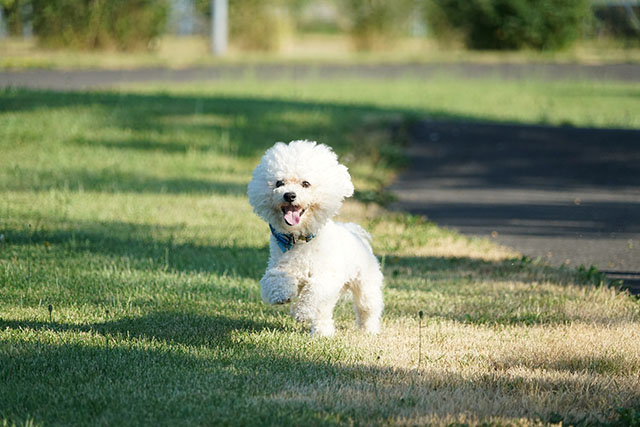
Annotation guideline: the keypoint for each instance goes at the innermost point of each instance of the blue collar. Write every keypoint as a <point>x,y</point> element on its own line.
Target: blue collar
<point>286,241</point>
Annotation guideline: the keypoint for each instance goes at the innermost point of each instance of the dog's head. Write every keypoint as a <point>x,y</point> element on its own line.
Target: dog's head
<point>298,186</point>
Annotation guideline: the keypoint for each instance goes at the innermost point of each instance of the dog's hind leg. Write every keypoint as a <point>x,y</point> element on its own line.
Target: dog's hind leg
<point>368,301</point>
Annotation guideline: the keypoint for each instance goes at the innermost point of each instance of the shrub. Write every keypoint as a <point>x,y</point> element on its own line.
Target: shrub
<point>99,24</point>
<point>618,20</point>
<point>258,24</point>
<point>377,23</point>
<point>510,24</point>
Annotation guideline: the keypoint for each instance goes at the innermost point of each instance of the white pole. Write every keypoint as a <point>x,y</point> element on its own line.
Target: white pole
<point>3,32</point>
<point>219,26</point>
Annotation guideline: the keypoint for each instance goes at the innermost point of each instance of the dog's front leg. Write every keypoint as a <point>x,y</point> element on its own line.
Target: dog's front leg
<point>277,287</point>
<point>315,304</point>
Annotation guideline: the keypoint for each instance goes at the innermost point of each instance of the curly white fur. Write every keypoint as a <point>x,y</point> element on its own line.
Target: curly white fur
<point>297,188</point>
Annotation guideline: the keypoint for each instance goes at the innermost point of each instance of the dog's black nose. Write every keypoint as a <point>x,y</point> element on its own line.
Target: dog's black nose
<point>289,197</point>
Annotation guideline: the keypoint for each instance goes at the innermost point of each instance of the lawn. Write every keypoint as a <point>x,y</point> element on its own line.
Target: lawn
<point>130,260</point>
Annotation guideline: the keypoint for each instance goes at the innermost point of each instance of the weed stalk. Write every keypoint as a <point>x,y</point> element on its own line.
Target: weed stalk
<point>420,315</point>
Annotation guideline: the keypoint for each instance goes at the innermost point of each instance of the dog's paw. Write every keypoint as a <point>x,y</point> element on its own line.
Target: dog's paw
<point>323,329</point>
<point>277,288</point>
<point>277,296</point>
<point>372,329</point>
<point>371,325</point>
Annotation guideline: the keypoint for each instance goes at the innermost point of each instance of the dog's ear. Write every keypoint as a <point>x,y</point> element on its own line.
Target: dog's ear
<point>344,181</point>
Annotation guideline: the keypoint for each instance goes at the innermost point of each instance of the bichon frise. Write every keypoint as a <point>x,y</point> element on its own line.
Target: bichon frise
<point>297,188</point>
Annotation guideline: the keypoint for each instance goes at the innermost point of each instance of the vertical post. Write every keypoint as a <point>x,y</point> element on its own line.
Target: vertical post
<point>3,30</point>
<point>27,20</point>
<point>219,26</point>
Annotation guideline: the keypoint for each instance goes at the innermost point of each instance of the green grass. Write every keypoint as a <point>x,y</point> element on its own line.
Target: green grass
<point>579,103</point>
<point>125,212</point>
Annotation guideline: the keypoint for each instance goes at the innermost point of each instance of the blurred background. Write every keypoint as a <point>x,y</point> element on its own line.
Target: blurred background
<point>180,33</point>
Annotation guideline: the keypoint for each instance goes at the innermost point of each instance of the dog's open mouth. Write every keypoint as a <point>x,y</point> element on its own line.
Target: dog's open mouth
<point>292,214</point>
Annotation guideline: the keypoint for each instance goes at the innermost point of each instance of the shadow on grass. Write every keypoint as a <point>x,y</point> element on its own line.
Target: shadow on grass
<point>146,144</point>
<point>119,379</point>
<point>507,292</point>
<point>184,328</point>
<point>198,374</point>
<point>610,363</point>
<point>139,246</point>
<point>456,269</point>
<point>117,181</point>
<point>253,124</point>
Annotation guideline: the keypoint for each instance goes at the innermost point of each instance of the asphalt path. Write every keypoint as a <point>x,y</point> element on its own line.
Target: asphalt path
<point>92,79</point>
<point>570,196</point>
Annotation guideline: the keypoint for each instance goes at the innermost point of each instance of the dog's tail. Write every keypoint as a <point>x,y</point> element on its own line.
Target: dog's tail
<point>358,232</point>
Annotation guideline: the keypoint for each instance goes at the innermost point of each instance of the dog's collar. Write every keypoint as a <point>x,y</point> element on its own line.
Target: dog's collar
<point>286,241</point>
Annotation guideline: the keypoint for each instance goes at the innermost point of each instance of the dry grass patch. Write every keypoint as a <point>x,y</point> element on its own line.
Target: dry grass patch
<point>514,375</point>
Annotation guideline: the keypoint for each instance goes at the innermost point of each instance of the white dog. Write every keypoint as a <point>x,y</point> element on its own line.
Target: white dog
<point>297,188</point>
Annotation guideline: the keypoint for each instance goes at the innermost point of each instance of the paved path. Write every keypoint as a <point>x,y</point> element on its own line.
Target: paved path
<point>89,79</point>
<point>570,196</point>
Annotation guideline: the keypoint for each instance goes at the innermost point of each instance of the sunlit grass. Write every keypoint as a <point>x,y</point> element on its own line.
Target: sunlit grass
<point>130,260</point>
<point>580,103</point>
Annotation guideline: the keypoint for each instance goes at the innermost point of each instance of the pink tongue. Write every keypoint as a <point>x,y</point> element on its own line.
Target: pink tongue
<point>292,217</point>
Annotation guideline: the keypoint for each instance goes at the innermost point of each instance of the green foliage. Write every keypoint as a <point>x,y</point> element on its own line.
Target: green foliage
<point>86,24</point>
<point>377,23</point>
<point>14,13</point>
<point>591,275</point>
<point>618,20</point>
<point>510,24</point>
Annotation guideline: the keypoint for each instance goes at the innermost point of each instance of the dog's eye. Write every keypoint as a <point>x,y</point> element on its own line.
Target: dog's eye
<point>306,184</point>
<point>279,183</point>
